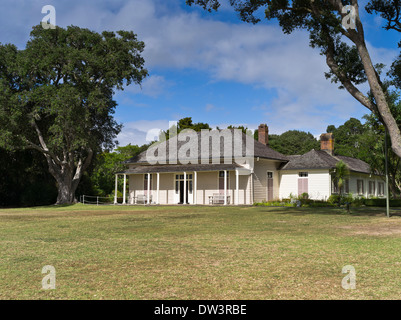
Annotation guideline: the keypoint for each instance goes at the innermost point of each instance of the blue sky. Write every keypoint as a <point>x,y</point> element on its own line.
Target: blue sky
<point>211,67</point>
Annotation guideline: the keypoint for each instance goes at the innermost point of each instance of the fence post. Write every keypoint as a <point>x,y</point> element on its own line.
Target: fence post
<point>83,199</point>
<point>97,201</point>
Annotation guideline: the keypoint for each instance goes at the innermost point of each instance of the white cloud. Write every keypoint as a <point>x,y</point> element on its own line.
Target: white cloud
<point>259,55</point>
<point>135,132</point>
<point>153,86</point>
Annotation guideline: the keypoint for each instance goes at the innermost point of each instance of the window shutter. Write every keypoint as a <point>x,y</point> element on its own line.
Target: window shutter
<point>302,185</point>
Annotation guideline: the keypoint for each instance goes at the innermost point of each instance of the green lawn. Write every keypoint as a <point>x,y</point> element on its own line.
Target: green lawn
<point>186,252</point>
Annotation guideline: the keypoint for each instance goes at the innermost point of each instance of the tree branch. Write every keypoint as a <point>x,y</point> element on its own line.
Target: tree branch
<point>351,88</point>
<point>81,167</point>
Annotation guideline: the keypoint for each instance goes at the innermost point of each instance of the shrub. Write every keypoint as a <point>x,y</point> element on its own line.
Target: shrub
<point>358,201</point>
<point>382,202</point>
<point>318,204</point>
<point>303,196</point>
<point>291,203</point>
<point>340,200</point>
<point>395,203</point>
<point>334,199</point>
<point>275,203</point>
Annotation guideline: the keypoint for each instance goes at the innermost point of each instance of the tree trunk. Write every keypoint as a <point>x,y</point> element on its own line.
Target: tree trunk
<point>67,170</point>
<point>68,177</point>
<point>66,191</point>
<point>376,88</point>
<point>381,107</point>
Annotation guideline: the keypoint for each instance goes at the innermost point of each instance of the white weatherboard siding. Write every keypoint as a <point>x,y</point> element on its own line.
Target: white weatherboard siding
<point>166,189</point>
<point>319,184</point>
<point>244,194</point>
<point>207,185</point>
<point>260,179</point>
<point>135,186</point>
<point>252,188</point>
<point>288,184</point>
<point>353,188</point>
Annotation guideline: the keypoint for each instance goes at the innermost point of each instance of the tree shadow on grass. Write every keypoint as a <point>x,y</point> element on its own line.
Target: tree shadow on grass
<point>48,206</point>
<point>353,211</point>
<point>45,207</point>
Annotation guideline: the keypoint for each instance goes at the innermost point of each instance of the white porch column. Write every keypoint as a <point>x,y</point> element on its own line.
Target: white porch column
<point>195,185</point>
<point>115,190</point>
<point>225,187</point>
<point>236,187</point>
<point>158,184</point>
<point>125,189</point>
<point>148,195</point>
<point>251,194</point>
<point>185,187</point>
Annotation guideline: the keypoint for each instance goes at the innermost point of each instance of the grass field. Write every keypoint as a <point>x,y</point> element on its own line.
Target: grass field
<point>186,252</point>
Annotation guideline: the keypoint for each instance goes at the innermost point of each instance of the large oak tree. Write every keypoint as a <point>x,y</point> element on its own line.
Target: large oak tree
<point>57,96</point>
<point>331,25</point>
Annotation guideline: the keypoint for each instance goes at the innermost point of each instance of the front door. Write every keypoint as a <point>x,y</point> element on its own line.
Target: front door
<point>182,192</point>
<point>179,189</point>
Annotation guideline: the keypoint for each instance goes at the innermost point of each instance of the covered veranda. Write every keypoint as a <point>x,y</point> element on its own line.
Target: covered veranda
<point>186,184</point>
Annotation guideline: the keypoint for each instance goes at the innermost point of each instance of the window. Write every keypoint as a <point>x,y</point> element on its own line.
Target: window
<point>221,181</point>
<point>344,188</point>
<point>145,183</point>
<point>380,186</point>
<point>303,174</point>
<point>334,186</point>
<point>346,183</point>
<point>372,187</point>
<point>180,177</point>
<point>269,184</point>
<point>360,188</point>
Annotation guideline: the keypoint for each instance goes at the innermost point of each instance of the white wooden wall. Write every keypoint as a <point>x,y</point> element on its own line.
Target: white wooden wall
<point>319,183</point>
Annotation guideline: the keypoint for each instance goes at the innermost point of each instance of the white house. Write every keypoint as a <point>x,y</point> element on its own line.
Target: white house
<point>257,173</point>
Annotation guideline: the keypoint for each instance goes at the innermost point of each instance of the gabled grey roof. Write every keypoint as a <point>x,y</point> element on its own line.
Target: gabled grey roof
<point>317,159</point>
<point>311,160</point>
<point>259,149</point>
<point>182,168</point>
<point>314,159</point>
<point>356,165</point>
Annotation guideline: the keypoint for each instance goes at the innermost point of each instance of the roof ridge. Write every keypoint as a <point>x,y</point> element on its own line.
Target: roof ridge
<point>259,149</point>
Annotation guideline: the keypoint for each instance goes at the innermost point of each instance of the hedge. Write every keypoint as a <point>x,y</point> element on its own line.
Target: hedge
<point>382,202</point>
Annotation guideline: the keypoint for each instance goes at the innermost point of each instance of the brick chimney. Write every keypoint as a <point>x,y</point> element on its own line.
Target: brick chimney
<point>263,134</point>
<point>327,142</point>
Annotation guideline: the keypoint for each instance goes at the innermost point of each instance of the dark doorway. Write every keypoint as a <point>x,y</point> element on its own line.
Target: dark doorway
<point>182,192</point>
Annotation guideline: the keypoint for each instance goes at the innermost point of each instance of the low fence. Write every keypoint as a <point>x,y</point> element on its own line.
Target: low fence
<point>97,200</point>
